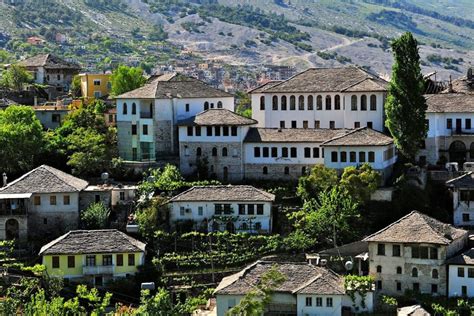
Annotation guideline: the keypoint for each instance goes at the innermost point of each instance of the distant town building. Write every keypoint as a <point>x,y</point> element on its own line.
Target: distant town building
<point>50,116</point>
<point>462,190</point>
<point>35,41</point>
<point>95,86</point>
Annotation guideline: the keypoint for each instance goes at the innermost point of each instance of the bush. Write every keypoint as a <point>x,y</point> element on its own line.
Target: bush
<point>96,216</point>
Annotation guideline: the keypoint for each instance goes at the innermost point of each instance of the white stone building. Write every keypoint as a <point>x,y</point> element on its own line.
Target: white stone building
<point>224,207</point>
<point>462,190</point>
<point>461,275</point>
<point>306,290</point>
<point>411,254</point>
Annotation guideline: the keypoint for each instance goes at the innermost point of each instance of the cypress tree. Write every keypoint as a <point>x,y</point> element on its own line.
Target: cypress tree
<point>405,107</point>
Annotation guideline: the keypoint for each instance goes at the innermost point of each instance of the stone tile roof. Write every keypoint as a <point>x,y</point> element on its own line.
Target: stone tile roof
<point>300,277</point>
<point>461,85</point>
<point>267,85</point>
<point>45,179</point>
<point>174,86</point>
<point>224,193</point>
<point>48,61</point>
<point>450,103</point>
<point>291,135</point>
<point>363,136</point>
<point>418,228</point>
<point>217,117</point>
<point>465,258</point>
<point>464,181</point>
<point>92,241</point>
<point>330,80</point>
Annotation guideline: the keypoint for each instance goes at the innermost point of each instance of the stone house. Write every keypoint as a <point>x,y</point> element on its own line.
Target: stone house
<point>93,256</point>
<point>461,274</point>
<point>411,254</point>
<point>462,190</point>
<point>224,207</point>
<point>50,116</point>
<point>306,290</point>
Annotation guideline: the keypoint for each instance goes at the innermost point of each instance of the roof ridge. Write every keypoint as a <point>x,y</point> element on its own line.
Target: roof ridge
<point>54,242</point>
<point>307,283</point>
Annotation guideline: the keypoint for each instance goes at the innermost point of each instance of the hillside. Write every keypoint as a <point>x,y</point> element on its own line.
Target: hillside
<point>301,33</point>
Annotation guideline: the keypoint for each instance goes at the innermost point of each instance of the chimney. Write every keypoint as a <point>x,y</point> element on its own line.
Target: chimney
<point>5,178</point>
<point>450,87</point>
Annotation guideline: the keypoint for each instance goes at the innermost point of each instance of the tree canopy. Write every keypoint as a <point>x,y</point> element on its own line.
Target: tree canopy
<point>15,78</point>
<point>126,79</point>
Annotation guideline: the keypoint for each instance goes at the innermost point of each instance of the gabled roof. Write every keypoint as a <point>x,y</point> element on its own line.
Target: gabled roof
<point>465,258</point>
<point>217,117</point>
<point>44,179</point>
<point>48,61</point>
<point>92,241</point>
<point>363,136</point>
<point>461,85</point>
<point>224,193</point>
<point>464,181</point>
<point>417,228</point>
<point>300,277</point>
<point>330,80</point>
<point>291,135</point>
<point>174,86</point>
<point>267,85</point>
<point>450,103</point>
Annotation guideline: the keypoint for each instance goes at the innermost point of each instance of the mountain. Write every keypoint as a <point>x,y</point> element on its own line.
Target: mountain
<point>301,33</point>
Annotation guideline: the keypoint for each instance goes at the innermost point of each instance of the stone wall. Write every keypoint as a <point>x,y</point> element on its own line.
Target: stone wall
<point>48,226</point>
<point>163,145</point>
<point>275,171</point>
<point>124,140</point>
<point>22,226</point>
<point>86,198</point>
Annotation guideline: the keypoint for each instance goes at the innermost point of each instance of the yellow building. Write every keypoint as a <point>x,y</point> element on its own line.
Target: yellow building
<point>93,256</point>
<point>95,85</point>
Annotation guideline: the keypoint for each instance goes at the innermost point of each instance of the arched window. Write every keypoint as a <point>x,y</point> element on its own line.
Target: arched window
<point>283,103</point>
<point>303,171</point>
<point>292,103</point>
<point>363,103</point>
<point>328,102</point>
<point>265,170</point>
<point>379,269</point>
<point>134,108</point>
<point>275,103</point>
<point>214,151</point>
<point>337,102</point>
<point>124,110</point>
<point>301,103</point>
<point>414,272</point>
<point>219,105</point>
<point>354,103</point>
<point>206,106</point>
<point>287,170</point>
<point>198,151</point>
<point>310,103</point>
<point>373,102</point>
<point>319,102</point>
<point>434,274</point>
<point>262,103</point>
<point>399,270</point>
<point>212,105</point>
<point>258,226</point>
<point>224,152</point>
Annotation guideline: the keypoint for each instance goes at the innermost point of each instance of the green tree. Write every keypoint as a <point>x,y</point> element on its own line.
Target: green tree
<point>243,104</point>
<point>21,139</point>
<point>76,87</point>
<point>126,79</point>
<point>360,181</point>
<point>15,78</point>
<point>88,153</point>
<point>96,216</point>
<point>319,180</point>
<point>405,107</point>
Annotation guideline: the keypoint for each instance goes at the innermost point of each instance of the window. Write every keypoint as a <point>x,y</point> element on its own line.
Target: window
<point>258,226</point>
<point>315,152</point>
<point>284,152</point>
<point>370,124</point>
<point>206,106</point>
<point>293,124</point>
<point>131,259</point>
<point>59,77</point>
<point>334,156</point>
<point>219,104</point>
<point>356,124</point>
<point>317,124</point>
<point>122,196</point>
<point>56,262</point>
<point>310,103</point>
<point>319,103</point>
<point>373,102</point>
<point>354,103</point>
<point>134,108</point>
<point>399,286</point>
<point>307,152</point>
<point>371,156</point>
<point>381,249</point>
<point>363,103</point>
<point>352,156</point>
<point>379,269</point>
<point>292,103</point>
<point>198,151</point>
<point>465,217</point>
<point>250,209</point>
<point>225,130</point>
<point>198,130</point>
<point>224,152</point>
<point>259,209</point>
<point>275,103</point>
<point>468,123</point>
<point>256,152</point>
<point>134,129</point>
<point>90,260</point>
<point>282,124</point>
<point>416,287</point>
<point>399,270</point>
<point>328,102</point>
<point>265,170</point>
<point>214,152</point>
<point>361,156</point>
<point>303,171</point>
<point>461,272</point>
<point>396,251</point>
<point>305,124</point>
<point>262,103</point>
<point>107,260</point>
<point>414,272</point>
<point>464,290</point>
<point>343,156</point>
<point>187,107</point>
<point>433,253</point>
<point>233,131</point>
<point>217,130</point>
<point>241,209</point>
<point>56,118</point>
<point>434,274</point>
<point>71,261</point>
<point>309,301</point>
<point>301,103</point>
<point>265,152</point>
<point>96,82</point>
<point>470,272</point>
<point>37,200</point>
<point>181,211</point>
<point>449,123</point>
<point>283,103</point>
<point>200,211</point>
<point>145,129</point>
<point>329,301</point>
<point>319,301</point>
<point>274,152</point>
<point>332,124</point>
<point>66,200</point>
<point>52,200</point>
<point>190,131</point>
<point>337,102</point>
<point>293,152</point>
<point>286,170</point>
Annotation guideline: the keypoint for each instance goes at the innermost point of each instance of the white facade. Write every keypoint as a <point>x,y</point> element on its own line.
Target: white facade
<point>461,280</point>
<point>463,214</point>
<point>284,153</point>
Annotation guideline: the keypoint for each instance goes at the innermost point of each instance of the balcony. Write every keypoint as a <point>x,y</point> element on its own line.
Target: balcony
<point>462,131</point>
<point>146,115</point>
<point>98,269</point>
<point>19,211</point>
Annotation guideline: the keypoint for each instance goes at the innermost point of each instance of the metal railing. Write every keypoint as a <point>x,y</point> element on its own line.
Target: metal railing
<point>98,269</point>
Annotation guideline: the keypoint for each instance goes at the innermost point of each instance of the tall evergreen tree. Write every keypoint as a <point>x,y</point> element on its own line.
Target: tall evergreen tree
<point>406,107</point>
